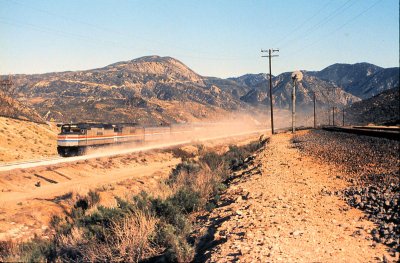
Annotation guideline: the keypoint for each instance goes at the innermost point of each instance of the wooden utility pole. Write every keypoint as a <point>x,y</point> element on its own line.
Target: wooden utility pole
<point>333,116</point>
<point>315,120</point>
<point>329,117</point>
<point>270,51</point>
<point>294,105</point>
<point>343,118</point>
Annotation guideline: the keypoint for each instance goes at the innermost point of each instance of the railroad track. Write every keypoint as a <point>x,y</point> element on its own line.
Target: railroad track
<point>30,161</point>
<point>392,133</point>
<point>57,159</point>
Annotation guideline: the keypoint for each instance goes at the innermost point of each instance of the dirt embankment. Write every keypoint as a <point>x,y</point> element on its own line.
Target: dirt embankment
<point>30,197</point>
<point>25,140</point>
<point>289,212</point>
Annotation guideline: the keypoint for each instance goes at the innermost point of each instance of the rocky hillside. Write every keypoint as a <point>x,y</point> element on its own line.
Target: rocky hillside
<point>363,80</point>
<point>327,93</point>
<point>11,108</point>
<point>381,109</point>
<point>252,80</point>
<point>155,89</point>
<point>148,90</point>
<point>337,85</point>
<point>379,82</point>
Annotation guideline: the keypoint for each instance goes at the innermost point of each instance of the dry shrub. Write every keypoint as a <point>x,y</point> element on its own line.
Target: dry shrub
<point>128,240</point>
<point>183,252</point>
<point>72,245</point>
<point>8,250</point>
<point>73,239</point>
<point>204,181</point>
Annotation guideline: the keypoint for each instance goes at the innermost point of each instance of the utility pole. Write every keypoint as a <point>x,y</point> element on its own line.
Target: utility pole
<point>315,120</point>
<point>343,118</point>
<point>270,51</point>
<point>294,105</point>
<point>333,116</point>
<point>329,117</point>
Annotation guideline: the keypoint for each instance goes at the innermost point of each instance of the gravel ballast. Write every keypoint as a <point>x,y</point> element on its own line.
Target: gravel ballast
<point>371,166</point>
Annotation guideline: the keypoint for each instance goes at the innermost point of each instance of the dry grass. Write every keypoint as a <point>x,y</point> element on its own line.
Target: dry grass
<point>204,181</point>
<point>127,240</point>
<point>143,226</point>
<point>131,237</point>
<point>8,251</point>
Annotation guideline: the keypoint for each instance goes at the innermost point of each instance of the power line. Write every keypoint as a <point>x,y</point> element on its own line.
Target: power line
<point>52,31</point>
<point>127,36</point>
<point>303,23</point>
<point>330,34</point>
<point>322,22</point>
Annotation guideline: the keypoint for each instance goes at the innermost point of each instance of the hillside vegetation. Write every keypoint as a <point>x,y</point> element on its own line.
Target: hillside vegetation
<point>383,108</point>
<point>154,89</point>
<point>12,108</point>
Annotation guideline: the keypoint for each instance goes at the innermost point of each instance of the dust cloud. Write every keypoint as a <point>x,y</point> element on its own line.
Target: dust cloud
<point>188,133</point>
<point>232,125</point>
<point>181,134</point>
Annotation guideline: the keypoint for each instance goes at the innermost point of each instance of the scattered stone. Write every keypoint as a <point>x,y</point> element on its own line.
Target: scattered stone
<point>296,233</point>
<point>371,165</point>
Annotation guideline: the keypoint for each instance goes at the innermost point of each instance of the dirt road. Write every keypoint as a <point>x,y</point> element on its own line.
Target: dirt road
<point>288,213</point>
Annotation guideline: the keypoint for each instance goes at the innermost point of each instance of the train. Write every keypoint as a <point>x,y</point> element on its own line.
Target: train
<point>76,138</point>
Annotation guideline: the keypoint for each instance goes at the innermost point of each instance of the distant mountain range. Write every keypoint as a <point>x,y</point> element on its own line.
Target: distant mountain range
<point>336,85</point>
<point>363,80</point>
<point>157,89</point>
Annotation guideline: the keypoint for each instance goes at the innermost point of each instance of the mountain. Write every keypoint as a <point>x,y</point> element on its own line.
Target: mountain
<point>382,80</point>
<point>228,85</point>
<point>153,89</point>
<point>363,80</point>
<point>383,108</point>
<point>327,93</point>
<point>252,80</point>
<point>336,85</point>
<point>148,90</point>
<point>347,76</point>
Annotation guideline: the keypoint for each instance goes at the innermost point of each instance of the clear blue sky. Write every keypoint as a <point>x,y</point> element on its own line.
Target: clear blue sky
<point>214,37</point>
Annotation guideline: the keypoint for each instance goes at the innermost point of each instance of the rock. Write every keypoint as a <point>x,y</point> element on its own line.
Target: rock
<point>357,199</point>
<point>296,233</point>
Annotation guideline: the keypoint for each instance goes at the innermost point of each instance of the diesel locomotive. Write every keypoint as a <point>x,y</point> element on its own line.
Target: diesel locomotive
<point>74,139</point>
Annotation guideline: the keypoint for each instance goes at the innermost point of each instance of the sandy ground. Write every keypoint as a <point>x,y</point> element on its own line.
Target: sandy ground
<point>24,140</point>
<point>26,208</point>
<point>282,210</point>
<point>30,197</point>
